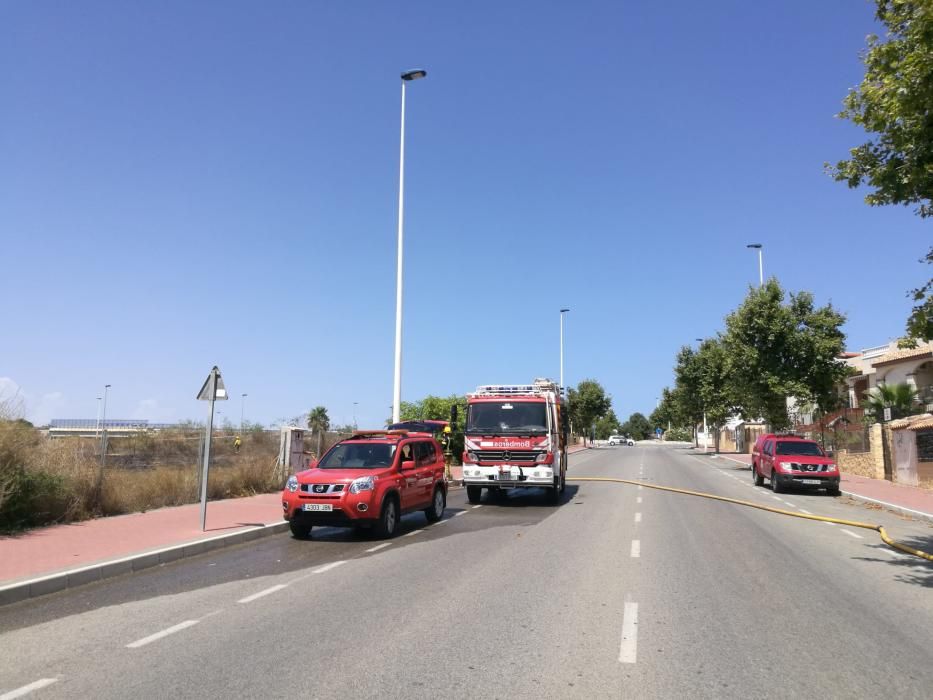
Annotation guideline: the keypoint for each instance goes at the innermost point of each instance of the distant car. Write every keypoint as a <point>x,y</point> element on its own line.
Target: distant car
<point>369,481</point>
<point>790,460</point>
<point>621,440</point>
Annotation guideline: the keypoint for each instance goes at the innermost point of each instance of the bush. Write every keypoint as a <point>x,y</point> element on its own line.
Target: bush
<point>679,435</point>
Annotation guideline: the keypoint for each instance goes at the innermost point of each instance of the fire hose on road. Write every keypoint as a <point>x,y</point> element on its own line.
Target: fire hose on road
<point>851,523</point>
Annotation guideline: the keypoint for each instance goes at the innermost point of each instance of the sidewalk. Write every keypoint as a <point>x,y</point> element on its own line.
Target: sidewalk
<point>53,558</point>
<point>61,556</point>
<point>909,500</point>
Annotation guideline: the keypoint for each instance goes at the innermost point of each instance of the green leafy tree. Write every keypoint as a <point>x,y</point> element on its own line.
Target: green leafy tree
<point>588,402</point>
<point>900,398</point>
<point>686,397</point>
<point>319,423</point>
<point>637,427</point>
<point>895,103</point>
<point>668,413</point>
<point>920,321</point>
<point>607,425</point>
<point>775,350</point>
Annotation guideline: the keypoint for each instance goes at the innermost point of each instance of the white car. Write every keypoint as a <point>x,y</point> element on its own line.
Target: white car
<point>621,440</point>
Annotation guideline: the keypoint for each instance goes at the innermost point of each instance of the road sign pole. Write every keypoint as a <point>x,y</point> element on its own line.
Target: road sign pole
<point>207,447</point>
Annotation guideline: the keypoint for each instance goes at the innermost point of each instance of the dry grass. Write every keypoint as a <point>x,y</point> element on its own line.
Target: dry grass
<point>46,481</point>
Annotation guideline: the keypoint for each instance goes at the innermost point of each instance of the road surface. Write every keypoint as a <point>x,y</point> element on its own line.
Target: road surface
<point>619,592</point>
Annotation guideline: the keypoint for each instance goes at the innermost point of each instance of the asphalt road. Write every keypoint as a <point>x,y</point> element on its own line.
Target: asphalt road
<point>618,592</point>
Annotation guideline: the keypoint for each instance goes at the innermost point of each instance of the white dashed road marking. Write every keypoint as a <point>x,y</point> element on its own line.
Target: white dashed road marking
<point>164,633</point>
<point>636,549</point>
<point>379,546</point>
<point>26,689</point>
<point>637,517</point>
<point>629,646</point>
<point>851,534</point>
<point>805,511</point>
<point>262,594</point>
<point>462,512</point>
<point>638,500</point>
<point>479,506</point>
<point>328,567</point>
<point>413,532</point>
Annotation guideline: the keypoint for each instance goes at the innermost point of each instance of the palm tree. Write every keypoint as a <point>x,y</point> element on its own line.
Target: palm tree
<point>318,422</point>
<point>900,398</point>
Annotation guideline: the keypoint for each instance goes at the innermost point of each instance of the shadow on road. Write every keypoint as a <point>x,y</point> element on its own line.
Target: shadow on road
<point>528,497</point>
<point>911,569</point>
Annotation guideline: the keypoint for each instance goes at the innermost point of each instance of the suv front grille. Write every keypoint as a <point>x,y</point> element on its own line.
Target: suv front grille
<point>808,467</point>
<point>523,456</point>
<point>321,489</point>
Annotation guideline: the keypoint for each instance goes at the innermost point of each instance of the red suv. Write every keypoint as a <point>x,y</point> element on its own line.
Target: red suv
<point>369,481</point>
<point>789,460</point>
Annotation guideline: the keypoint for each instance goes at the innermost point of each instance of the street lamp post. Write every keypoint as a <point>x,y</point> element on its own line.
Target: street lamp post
<point>761,272</point>
<point>705,433</point>
<point>242,409</point>
<point>355,404</point>
<point>97,428</point>
<point>407,76</point>
<point>562,312</point>
<point>103,443</point>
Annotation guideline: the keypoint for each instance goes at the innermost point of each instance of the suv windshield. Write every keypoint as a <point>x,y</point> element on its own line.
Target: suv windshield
<point>507,417</point>
<point>349,455</point>
<point>792,447</point>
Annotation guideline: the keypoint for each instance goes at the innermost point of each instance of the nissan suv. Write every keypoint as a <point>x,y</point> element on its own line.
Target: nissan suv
<point>368,481</point>
<point>789,460</point>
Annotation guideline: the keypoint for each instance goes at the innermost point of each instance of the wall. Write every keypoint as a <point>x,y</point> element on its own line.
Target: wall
<point>859,463</point>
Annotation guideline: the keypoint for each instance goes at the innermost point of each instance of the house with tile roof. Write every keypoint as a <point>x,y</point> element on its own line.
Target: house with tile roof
<point>888,364</point>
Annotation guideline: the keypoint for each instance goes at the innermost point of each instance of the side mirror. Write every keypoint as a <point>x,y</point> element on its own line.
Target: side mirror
<point>408,464</point>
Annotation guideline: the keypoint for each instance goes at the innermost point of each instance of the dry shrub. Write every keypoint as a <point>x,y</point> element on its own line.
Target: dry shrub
<point>139,490</point>
<point>248,477</point>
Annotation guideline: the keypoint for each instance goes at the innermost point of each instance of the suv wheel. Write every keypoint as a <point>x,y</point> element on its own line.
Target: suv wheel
<point>474,494</point>
<point>775,486</point>
<point>833,491</point>
<point>756,477</point>
<point>387,525</point>
<point>438,503</point>
<point>301,528</point>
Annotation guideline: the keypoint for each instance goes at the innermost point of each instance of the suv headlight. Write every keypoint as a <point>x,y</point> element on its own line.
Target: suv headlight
<point>364,483</point>
<point>788,466</point>
<point>292,483</point>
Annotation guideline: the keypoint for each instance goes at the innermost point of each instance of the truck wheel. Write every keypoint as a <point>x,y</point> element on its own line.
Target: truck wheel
<point>756,477</point>
<point>554,493</point>
<point>301,528</point>
<point>438,503</point>
<point>387,525</point>
<point>775,486</point>
<point>474,493</point>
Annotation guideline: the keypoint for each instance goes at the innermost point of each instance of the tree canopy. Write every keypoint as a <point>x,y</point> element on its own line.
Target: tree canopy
<point>920,321</point>
<point>894,102</point>
<point>637,427</point>
<point>588,402</point>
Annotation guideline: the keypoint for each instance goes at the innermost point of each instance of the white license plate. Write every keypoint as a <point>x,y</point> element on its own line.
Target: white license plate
<point>811,481</point>
<point>327,507</point>
<point>505,476</point>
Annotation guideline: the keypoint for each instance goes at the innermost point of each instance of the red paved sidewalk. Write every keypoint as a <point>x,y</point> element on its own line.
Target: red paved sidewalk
<point>878,490</point>
<point>61,547</point>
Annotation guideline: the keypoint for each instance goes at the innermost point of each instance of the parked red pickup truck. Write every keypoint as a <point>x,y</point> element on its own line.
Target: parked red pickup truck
<point>789,460</point>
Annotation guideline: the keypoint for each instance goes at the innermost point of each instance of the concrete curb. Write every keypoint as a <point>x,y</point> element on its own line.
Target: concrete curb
<point>902,510</point>
<point>60,580</point>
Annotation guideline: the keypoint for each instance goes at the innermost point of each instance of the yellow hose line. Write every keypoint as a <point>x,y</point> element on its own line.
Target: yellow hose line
<point>851,523</point>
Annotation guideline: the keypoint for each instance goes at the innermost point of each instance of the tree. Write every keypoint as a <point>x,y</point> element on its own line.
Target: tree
<point>900,398</point>
<point>668,411</point>
<point>895,102</point>
<point>920,321</point>
<point>438,408</point>
<point>607,425</point>
<point>637,427</point>
<point>717,391</point>
<point>587,403</point>
<point>775,350</point>
<point>686,397</point>
<point>318,422</point>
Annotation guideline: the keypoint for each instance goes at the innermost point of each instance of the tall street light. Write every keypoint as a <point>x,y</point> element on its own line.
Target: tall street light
<point>562,312</point>
<point>705,435</point>
<point>407,76</point>
<point>761,273</point>
<point>103,446</point>
<point>97,429</point>
<point>355,404</point>
<point>242,409</point>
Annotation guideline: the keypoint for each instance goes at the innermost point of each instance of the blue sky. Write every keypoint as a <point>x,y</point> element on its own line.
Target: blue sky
<point>187,184</point>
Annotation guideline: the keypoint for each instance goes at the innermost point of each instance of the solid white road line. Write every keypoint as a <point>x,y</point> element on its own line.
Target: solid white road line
<point>26,689</point>
<point>262,594</point>
<point>629,646</point>
<point>328,567</point>
<point>638,500</point>
<point>637,517</point>
<point>636,549</point>
<point>851,534</point>
<point>164,633</point>
<point>413,532</point>
<point>379,546</point>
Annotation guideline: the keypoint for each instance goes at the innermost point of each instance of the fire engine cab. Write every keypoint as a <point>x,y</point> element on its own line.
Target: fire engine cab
<point>515,436</point>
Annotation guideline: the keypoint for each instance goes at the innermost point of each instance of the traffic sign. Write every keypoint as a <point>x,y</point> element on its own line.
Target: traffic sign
<point>220,391</point>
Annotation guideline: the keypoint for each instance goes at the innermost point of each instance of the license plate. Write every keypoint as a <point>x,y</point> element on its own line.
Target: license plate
<point>505,476</point>
<point>327,507</point>
<point>810,481</point>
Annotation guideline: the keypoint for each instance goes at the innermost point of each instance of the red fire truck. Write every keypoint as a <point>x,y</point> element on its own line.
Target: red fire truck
<point>515,436</point>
